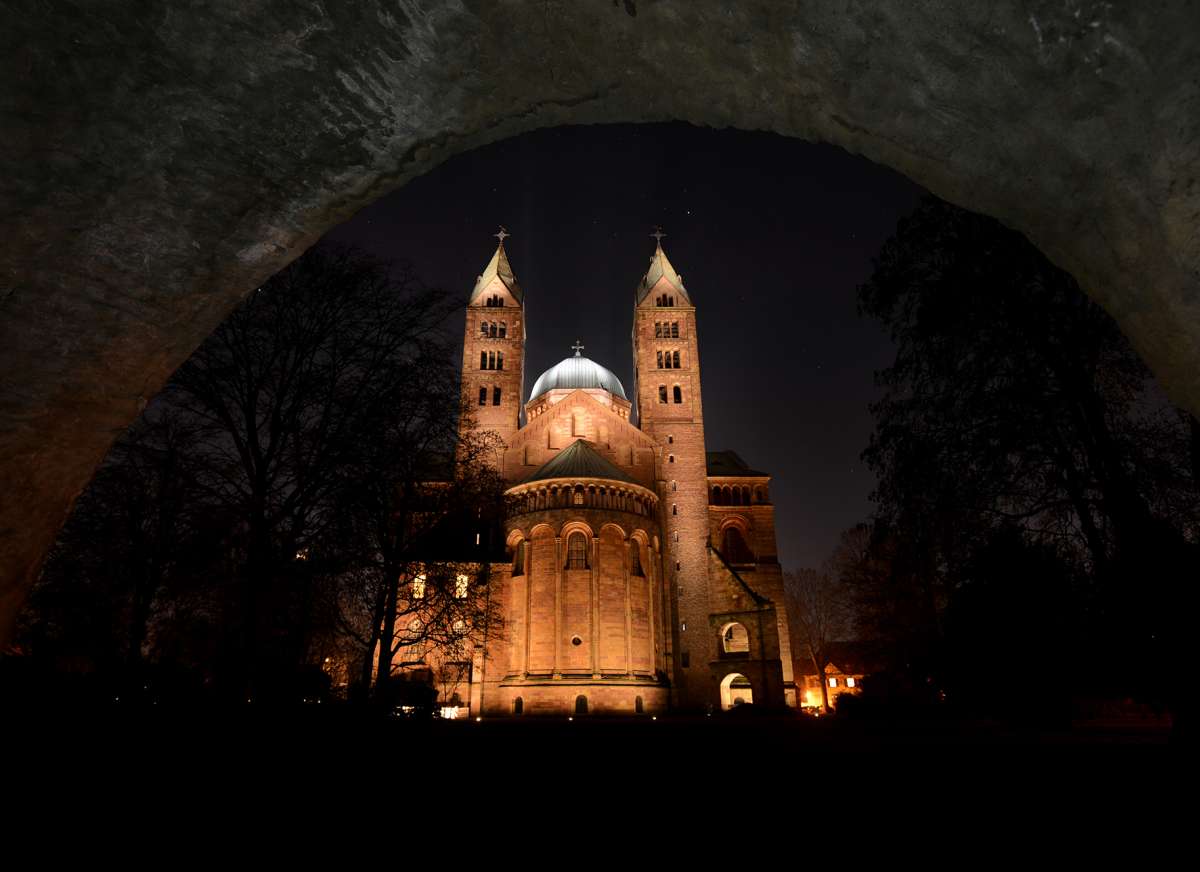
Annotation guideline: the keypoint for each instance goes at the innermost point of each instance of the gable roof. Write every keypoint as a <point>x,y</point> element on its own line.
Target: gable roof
<point>729,464</point>
<point>579,460</point>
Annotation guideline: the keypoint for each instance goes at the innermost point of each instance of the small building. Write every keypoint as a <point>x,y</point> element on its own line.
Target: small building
<point>845,669</point>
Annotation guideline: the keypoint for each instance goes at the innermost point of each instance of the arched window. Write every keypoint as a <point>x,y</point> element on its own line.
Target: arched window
<point>659,359</point>
<point>578,497</point>
<point>519,559</point>
<point>674,509</point>
<point>735,639</point>
<point>674,487</point>
<point>737,496</point>
<point>503,329</point>
<point>745,496</point>
<point>493,330</point>
<point>483,328</point>
<point>726,496</point>
<point>670,458</point>
<point>491,360</point>
<point>662,393</point>
<point>734,547</point>
<point>675,358</point>
<point>518,706</point>
<point>678,394</point>
<point>500,360</point>
<point>577,549</point>
<point>716,496</point>
<point>581,705</point>
<point>635,558</point>
<point>483,396</point>
<point>418,587</point>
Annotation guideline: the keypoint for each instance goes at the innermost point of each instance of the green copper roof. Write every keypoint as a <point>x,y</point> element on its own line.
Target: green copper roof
<point>498,267</point>
<point>579,460</point>
<point>729,464</point>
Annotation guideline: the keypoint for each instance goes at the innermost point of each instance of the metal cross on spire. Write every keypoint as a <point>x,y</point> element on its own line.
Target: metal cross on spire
<point>658,234</point>
<point>502,235</point>
<point>577,347</point>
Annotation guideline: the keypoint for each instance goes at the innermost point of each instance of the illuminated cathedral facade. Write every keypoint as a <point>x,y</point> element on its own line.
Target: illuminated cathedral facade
<point>640,573</point>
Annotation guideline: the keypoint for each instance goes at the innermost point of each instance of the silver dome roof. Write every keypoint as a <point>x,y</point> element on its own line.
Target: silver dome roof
<point>577,372</point>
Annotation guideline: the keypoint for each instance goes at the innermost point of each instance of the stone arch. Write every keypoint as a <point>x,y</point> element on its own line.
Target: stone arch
<point>735,638</point>
<point>735,540</point>
<point>575,525</point>
<point>617,528</point>
<point>735,690</point>
<point>1126,230</point>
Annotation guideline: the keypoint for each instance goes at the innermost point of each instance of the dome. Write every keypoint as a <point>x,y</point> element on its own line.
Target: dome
<point>577,372</point>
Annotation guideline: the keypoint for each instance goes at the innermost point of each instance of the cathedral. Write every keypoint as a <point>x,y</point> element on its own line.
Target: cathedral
<point>640,573</point>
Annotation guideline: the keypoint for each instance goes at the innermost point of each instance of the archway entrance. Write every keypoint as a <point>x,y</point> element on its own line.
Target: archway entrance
<point>158,227</point>
<point>735,691</point>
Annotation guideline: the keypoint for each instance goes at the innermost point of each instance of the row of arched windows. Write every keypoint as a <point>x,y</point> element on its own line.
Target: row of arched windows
<point>494,301</point>
<point>577,556</point>
<point>483,395</point>
<point>677,392</point>
<point>492,330</point>
<point>668,360</point>
<point>736,495</point>
<point>664,300</point>
<point>597,497</point>
<point>581,705</point>
<point>666,329</point>
<point>491,360</point>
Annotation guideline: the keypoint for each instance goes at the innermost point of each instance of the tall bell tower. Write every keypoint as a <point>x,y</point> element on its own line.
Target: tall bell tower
<point>494,347</point>
<point>666,366</point>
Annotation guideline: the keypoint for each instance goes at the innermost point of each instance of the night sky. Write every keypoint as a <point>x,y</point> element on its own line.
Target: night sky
<point>771,236</point>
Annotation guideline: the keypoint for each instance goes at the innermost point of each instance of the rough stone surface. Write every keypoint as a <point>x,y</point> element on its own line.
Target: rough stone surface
<point>161,159</point>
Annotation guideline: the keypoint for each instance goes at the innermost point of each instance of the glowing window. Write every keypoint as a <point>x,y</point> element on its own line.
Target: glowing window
<point>833,682</point>
<point>461,584</point>
<point>418,587</point>
<point>849,682</point>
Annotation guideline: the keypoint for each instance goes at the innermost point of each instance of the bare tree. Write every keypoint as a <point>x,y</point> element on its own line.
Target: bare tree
<point>819,615</point>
